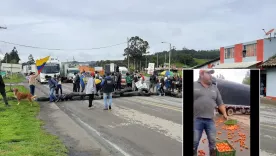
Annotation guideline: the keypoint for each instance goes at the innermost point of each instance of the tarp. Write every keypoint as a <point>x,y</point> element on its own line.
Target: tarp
<point>41,63</point>
<point>234,93</point>
<point>167,73</point>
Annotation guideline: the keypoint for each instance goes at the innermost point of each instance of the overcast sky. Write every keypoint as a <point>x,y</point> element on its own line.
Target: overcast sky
<point>71,24</point>
<point>235,75</point>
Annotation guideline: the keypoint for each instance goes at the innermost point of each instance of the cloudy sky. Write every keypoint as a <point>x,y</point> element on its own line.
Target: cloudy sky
<point>85,24</point>
<point>235,75</point>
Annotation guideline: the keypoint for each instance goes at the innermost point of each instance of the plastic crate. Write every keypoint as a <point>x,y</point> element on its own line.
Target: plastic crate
<point>231,122</point>
<point>230,153</point>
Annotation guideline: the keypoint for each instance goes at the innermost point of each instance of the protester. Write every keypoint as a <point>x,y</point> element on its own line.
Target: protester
<point>128,80</point>
<point>135,79</point>
<point>206,98</point>
<point>82,84</point>
<point>153,81</point>
<point>52,86</point>
<point>91,89</point>
<point>59,86</point>
<point>98,86</point>
<point>32,82</point>
<point>3,91</point>
<point>168,83</point>
<point>76,83</point>
<point>107,87</point>
<point>142,77</point>
<point>119,80</point>
<point>162,84</point>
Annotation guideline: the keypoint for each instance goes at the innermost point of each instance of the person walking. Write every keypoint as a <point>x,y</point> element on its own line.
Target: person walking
<point>3,91</point>
<point>52,86</point>
<point>32,82</point>
<point>206,98</point>
<point>108,85</point>
<point>91,89</point>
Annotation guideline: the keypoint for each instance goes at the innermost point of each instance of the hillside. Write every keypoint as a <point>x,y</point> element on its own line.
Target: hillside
<point>180,58</point>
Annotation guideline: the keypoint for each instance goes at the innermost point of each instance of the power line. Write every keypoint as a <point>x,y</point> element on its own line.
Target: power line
<point>34,47</point>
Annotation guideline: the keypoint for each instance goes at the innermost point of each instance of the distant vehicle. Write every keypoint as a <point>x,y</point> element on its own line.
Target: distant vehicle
<point>51,68</point>
<point>67,72</point>
<point>235,96</point>
<point>27,69</point>
<point>112,68</point>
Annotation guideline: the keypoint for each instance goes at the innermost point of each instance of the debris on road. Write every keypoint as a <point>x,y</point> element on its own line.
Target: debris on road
<point>235,134</point>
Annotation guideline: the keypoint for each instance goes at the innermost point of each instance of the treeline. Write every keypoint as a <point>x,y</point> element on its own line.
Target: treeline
<point>11,57</point>
<point>184,57</point>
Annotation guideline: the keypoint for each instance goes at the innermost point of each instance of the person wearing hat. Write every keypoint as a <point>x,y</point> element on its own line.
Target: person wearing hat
<point>206,98</point>
<point>90,89</point>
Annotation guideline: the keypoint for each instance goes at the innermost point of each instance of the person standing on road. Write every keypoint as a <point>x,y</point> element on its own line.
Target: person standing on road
<point>206,98</point>
<point>91,89</point>
<point>128,80</point>
<point>52,86</point>
<point>3,91</point>
<point>108,86</point>
<point>119,80</point>
<point>59,86</point>
<point>32,82</point>
<point>153,81</point>
<point>76,83</point>
<point>82,81</point>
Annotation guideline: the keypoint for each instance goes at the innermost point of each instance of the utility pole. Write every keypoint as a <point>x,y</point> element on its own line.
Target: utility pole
<point>127,54</point>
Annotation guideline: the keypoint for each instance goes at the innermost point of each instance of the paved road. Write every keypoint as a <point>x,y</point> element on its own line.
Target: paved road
<point>135,126</point>
<point>268,129</point>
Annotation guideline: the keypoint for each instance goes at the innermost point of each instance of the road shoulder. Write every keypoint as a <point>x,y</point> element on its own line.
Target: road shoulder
<point>75,138</point>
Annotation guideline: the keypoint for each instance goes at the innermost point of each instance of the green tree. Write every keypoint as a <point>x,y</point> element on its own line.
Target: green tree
<point>31,59</point>
<point>11,57</point>
<point>136,50</point>
<point>246,79</point>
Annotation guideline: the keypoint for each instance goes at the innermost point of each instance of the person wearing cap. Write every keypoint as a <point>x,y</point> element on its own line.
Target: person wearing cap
<point>108,85</point>
<point>206,98</point>
<point>90,89</point>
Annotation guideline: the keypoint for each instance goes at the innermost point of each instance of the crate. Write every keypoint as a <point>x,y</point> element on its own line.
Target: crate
<point>231,122</point>
<point>231,153</point>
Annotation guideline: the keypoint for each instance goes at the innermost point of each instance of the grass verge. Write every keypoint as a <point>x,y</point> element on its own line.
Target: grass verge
<point>21,133</point>
<point>15,78</point>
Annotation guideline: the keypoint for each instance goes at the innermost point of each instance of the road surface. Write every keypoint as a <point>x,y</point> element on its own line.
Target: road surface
<point>222,135</point>
<point>136,126</point>
<point>268,129</point>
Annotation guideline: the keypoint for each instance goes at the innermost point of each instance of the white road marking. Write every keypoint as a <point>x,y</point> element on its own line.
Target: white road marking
<point>99,134</point>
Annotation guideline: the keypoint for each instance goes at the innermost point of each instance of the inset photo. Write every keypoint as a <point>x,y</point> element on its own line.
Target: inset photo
<point>221,112</point>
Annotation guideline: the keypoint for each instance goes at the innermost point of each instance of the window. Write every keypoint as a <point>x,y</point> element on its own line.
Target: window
<point>250,50</point>
<point>229,53</point>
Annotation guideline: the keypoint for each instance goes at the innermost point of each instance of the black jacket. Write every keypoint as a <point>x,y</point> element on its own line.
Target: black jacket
<point>2,84</point>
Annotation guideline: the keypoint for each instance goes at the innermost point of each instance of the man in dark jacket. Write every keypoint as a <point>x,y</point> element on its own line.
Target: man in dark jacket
<point>119,80</point>
<point>3,91</point>
<point>76,83</point>
<point>108,85</point>
<point>153,81</point>
<point>52,85</point>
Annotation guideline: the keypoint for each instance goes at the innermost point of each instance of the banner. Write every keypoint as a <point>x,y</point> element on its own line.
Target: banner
<point>150,68</point>
<point>41,63</point>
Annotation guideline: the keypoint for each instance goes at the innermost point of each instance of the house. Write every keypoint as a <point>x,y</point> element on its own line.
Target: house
<point>252,55</point>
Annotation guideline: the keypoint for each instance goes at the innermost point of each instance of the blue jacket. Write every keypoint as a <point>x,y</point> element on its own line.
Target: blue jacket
<point>52,83</point>
<point>102,83</point>
<point>81,81</point>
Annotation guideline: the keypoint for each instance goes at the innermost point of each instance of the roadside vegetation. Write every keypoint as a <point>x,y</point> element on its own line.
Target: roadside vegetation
<point>21,132</point>
<point>15,78</point>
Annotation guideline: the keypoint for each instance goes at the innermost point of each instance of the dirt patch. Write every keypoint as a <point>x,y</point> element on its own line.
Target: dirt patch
<point>264,100</point>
